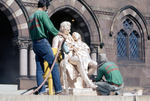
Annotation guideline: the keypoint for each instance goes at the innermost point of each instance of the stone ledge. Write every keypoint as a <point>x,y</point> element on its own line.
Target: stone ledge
<point>8,87</point>
<point>69,98</point>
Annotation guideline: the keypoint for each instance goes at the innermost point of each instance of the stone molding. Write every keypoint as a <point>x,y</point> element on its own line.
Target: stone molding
<point>104,13</point>
<point>147,18</point>
<point>28,4</point>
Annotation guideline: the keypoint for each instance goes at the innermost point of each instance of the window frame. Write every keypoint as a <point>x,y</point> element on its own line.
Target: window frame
<point>128,33</point>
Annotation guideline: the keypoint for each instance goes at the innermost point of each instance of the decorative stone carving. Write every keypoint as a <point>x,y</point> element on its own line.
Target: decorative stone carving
<point>104,13</point>
<point>30,4</point>
<point>22,43</point>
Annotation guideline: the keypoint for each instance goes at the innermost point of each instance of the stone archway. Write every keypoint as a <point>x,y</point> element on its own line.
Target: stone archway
<point>77,23</point>
<point>9,57</point>
<point>16,16</point>
<point>125,11</point>
<point>80,12</point>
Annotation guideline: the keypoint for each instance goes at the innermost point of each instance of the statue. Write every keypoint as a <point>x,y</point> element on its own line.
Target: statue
<point>82,51</point>
<point>77,61</point>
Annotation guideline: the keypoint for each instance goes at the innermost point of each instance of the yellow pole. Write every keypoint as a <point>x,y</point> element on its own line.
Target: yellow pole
<point>46,71</point>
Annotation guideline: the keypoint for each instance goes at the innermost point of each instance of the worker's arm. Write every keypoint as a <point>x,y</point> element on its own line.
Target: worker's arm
<point>50,27</point>
<point>100,75</point>
<point>48,24</point>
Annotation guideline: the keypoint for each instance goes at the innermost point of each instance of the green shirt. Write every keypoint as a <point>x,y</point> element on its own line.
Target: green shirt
<point>40,25</point>
<point>111,73</point>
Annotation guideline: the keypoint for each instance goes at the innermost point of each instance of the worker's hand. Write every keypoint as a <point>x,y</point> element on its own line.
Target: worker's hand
<point>64,37</point>
<point>61,34</point>
<point>92,78</point>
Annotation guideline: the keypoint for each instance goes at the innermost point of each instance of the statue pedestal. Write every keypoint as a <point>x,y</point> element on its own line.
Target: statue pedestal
<point>82,91</point>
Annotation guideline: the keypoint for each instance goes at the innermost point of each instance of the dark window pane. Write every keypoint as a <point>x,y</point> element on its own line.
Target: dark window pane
<point>127,24</point>
<point>133,39</point>
<point>121,44</point>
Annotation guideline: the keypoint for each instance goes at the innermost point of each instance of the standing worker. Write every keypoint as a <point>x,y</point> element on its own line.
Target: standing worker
<point>39,26</point>
<point>112,74</point>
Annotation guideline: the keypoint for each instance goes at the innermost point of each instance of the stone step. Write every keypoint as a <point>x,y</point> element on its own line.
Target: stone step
<point>11,92</point>
<point>8,87</point>
<point>71,98</point>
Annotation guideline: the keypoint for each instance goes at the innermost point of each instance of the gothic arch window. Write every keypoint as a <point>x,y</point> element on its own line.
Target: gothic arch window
<point>132,21</point>
<point>121,43</point>
<point>127,41</point>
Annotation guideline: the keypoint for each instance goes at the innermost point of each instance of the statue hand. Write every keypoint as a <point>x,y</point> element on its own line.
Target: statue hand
<point>75,49</point>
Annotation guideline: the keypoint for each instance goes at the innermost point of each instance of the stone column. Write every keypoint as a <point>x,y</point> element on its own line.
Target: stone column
<point>23,62</point>
<point>23,46</point>
<point>94,52</point>
<point>32,62</point>
<point>24,82</point>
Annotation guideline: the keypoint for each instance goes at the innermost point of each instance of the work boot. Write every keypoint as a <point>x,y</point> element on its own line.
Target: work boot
<point>44,93</point>
<point>112,93</point>
<point>61,93</point>
<point>98,93</point>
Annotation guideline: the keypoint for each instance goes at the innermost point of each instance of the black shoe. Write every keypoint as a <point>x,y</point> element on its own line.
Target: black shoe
<point>61,93</point>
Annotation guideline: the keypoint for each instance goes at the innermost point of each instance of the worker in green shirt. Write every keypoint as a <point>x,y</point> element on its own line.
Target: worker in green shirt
<point>114,80</point>
<point>39,27</point>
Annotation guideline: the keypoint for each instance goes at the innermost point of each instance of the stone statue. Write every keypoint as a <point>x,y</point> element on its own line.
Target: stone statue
<point>82,51</point>
<point>77,61</point>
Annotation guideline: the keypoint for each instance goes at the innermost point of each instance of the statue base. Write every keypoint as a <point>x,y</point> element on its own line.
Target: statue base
<point>82,91</point>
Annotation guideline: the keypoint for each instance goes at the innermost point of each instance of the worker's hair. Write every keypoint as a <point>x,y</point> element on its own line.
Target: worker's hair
<point>43,3</point>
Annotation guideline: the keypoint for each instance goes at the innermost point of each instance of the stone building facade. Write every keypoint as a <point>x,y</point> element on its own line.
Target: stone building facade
<point>118,28</point>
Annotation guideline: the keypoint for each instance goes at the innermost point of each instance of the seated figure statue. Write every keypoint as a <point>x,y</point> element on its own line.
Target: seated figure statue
<point>74,62</point>
<point>81,51</point>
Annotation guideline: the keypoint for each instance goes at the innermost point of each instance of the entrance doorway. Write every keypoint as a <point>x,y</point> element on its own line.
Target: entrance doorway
<point>9,55</point>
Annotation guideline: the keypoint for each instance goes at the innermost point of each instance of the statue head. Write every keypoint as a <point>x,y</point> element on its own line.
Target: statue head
<point>76,36</point>
<point>65,27</point>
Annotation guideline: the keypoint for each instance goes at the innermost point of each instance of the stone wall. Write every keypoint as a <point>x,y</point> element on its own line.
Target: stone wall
<point>136,71</point>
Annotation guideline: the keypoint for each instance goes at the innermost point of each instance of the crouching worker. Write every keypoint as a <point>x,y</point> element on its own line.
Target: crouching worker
<point>112,74</point>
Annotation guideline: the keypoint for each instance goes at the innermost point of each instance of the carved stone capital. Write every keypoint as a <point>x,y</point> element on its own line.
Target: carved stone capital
<point>93,48</point>
<point>30,45</point>
<point>22,43</point>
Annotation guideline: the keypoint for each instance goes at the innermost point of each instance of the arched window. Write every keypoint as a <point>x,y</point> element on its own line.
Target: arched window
<point>134,24</point>
<point>121,43</point>
<point>128,25</point>
<point>127,41</point>
<point>133,43</point>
